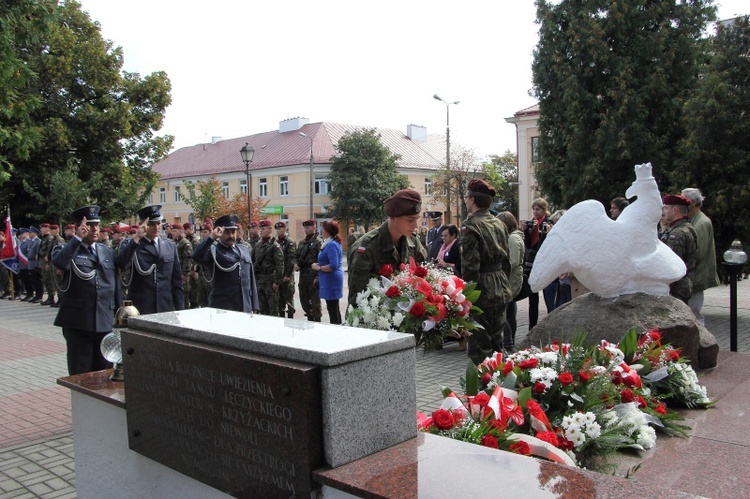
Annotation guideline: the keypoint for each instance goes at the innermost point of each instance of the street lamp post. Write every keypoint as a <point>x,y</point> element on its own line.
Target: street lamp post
<point>447,155</point>
<point>312,179</point>
<point>734,260</point>
<point>247,153</point>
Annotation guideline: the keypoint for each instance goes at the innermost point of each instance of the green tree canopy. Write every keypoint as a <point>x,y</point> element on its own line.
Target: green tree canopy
<point>611,79</point>
<point>502,173</point>
<point>80,114</point>
<point>363,175</point>
<point>716,148</point>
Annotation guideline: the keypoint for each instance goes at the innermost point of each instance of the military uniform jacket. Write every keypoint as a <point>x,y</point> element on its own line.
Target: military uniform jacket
<point>33,253</point>
<point>705,275</point>
<point>484,257</point>
<point>233,285</point>
<point>156,284</point>
<point>683,240</point>
<point>290,255</point>
<point>268,258</point>
<point>307,254</point>
<point>45,247</point>
<point>185,252</point>
<point>93,290</point>
<point>373,250</point>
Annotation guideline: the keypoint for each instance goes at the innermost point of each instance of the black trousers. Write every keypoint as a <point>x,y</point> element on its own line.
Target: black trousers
<point>28,288</point>
<point>334,312</point>
<point>84,351</point>
<point>37,283</point>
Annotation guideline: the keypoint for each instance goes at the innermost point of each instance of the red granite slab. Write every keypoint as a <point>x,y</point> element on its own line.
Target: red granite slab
<point>98,385</point>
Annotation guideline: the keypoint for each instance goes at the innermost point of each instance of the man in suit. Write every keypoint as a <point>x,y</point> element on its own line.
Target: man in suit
<point>92,293</point>
<point>156,278</point>
<point>230,267</point>
<point>434,235</point>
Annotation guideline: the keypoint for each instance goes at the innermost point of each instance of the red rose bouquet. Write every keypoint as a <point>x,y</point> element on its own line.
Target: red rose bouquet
<point>428,302</point>
<point>583,401</point>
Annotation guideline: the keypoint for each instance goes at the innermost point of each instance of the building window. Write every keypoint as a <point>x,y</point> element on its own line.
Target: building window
<point>322,184</point>
<point>262,187</point>
<point>534,149</point>
<point>177,194</point>
<point>428,186</point>
<point>283,186</point>
<point>243,186</point>
<point>162,195</point>
<point>225,189</point>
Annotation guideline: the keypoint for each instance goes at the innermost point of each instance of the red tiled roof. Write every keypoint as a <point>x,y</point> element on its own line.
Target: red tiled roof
<point>274,149</point>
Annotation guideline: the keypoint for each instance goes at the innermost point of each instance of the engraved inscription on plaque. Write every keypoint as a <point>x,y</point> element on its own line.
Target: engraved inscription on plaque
<point>245,424</point>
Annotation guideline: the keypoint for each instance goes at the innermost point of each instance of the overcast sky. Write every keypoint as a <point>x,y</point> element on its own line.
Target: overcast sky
<point>237,67</point>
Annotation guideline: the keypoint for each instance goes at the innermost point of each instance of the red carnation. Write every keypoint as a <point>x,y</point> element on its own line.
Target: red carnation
<point>386,270</point>
<point>481,399</point>
<point>529,364</point>
<point>616,377</point>
<point>549,436</point>
<point>565,444</point>
<point>442,419</point>
<point>674,355</point>
<point>630,381</point>
<point>420,272</point>
<point>418,309</point>
<point>486,378</point>
<point>584,376</point>
<point>641,402</point>
<point>490,441</point>
<point>393,292</point>
<point>520,448</point>
<point>565,378</point>
<point>507,367</point>
<point>627,396</point>
<point>661,408</point>
<point>539,388</point>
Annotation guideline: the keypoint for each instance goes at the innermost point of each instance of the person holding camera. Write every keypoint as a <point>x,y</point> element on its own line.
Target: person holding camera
<point>535,231</point>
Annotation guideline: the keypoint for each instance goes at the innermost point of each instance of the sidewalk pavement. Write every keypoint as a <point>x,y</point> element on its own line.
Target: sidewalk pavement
<point>36,446</point>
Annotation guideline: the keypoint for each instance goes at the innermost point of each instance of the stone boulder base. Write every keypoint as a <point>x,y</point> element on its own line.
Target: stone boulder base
<point>611,318</point>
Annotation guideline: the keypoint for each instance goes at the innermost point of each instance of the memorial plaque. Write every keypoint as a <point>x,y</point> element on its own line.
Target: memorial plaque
<point>245,424</point>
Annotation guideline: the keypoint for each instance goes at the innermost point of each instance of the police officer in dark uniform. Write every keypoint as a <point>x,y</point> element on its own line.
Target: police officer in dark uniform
<point>392,243</point>
<point>230,267</point>
<point>435,235</point>
<point>307,254</point>
<point>484,260</point>
<point>156,279</point>
<point>92,293</point>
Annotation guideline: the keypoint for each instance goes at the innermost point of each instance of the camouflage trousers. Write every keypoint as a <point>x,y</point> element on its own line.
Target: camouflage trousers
<point>186,282</point>
<point>268,298</point>
<point>309,296</point>
<point>48,276</point>
<point>191,292</point>
<point>483,342</point>
<point>286,298</point>
<point>202,290</point>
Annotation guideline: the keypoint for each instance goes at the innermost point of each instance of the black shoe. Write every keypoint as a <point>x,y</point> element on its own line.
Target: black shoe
<point>4,296</point>
<point>47,302</point>
<point>36,300</point>
<point>27,298</point>
<point>55,304</point>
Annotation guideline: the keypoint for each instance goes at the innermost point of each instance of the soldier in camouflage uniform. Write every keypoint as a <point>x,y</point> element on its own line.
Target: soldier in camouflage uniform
<point>104,236</point>
<point>253,236</point>
<point>45,262</point>
<point>203,286</point>
<point>390,244</point>
<point>116,238</point>
<point>192,288</point>
<point>484,260</point>
<point>307,254</point>
<point>268,260</point>
<point>55,275</point>
<point>185,252</point>
<point>683,240</point>
<point>286,291</point>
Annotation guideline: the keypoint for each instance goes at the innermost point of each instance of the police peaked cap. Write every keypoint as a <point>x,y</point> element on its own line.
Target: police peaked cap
<point>90,212</point>
<point>227,221</point>
<point>150,212</point>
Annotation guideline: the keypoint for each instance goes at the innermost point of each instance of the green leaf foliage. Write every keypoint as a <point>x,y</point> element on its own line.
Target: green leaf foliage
<point>612,79</point>
<point>363,175</point>
<point>79,114</point>
<point>472,379</point>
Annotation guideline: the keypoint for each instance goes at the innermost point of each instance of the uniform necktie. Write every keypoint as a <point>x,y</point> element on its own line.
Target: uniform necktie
<point>92,250</point>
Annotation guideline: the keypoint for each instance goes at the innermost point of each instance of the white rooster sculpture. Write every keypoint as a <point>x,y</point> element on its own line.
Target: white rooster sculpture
<point>611,257</point>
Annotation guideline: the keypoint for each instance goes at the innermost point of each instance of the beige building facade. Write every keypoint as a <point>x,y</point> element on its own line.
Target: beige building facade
<point>280,173</point>
<point>527,143</point>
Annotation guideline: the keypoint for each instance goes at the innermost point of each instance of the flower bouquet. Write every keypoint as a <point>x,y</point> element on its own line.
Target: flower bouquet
<point>426,301</point>
<point>580,401</point>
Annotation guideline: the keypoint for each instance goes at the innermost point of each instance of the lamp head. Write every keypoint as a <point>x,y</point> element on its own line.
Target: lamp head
<point>247,153</point>
<point>437,97</point>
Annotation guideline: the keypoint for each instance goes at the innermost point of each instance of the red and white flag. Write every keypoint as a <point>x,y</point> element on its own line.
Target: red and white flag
<point>9,253</point>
